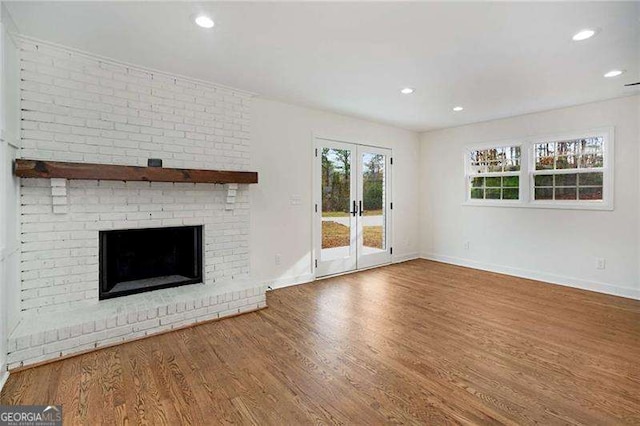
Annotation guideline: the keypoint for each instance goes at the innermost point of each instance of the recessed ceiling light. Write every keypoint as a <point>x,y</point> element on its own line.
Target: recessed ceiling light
<point>458,109</point>
<point>204,21</point>
<point>613,73</point>
<point>407,91</point>
<point>583,35</point>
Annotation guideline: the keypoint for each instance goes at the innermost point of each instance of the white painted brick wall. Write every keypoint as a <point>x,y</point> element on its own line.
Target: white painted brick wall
<point>81,108</point>
<point>60,252</point>
<point>76,107</point>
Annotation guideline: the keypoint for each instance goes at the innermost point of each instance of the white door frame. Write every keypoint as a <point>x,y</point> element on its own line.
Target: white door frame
<point>362,262</point>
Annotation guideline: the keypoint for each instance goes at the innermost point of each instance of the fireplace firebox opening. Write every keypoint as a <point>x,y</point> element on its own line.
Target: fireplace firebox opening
<point>139,260</point>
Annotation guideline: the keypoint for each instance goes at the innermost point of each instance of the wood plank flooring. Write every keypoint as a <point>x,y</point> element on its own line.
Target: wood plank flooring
<point>415,343</point>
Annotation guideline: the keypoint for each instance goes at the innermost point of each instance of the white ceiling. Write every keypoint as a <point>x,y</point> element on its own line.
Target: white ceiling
<point>495,59</point>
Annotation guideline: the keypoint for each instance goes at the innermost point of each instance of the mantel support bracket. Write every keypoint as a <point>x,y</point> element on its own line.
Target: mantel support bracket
<point>59,195</point>
<point>232,191</point>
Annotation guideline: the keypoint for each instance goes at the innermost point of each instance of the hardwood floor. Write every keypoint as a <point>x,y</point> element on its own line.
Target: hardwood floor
<point>418,342</point>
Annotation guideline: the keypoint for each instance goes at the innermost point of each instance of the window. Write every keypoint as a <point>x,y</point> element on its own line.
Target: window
<point>568,171</point>
<point>494,173</point>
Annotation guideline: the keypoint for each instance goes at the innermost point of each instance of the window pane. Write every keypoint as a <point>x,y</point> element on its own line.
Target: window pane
<point>489,154</point>
<point>477,168</point>
<point>544,194</point>
<point>512,152</point>
<point>477,182</point>
<point>591,161</point>
<point>567,162</point>
<point>493,182</point>
<point>565,193</point>
<point>590,179</point>
<point>591,193</point>
<point>510,193</point>
<point>492,193</point>
<point>592,145</point>
<point>545,149</point>
<point>567,148</point>
<point>566,180</point>
<point>564,186</point>
<point>571,154</point>
<point>511,181</point>
<point>477,193</point>
<point>495,166</point>
<point>544,163</point>
<point>543,180</point>
<point>495,160</point>
<point>512,165</point>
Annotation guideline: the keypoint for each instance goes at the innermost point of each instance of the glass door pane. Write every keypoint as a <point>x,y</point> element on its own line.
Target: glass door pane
<point>335,216</point>
<point>373,220</point>
<point>336,203</point>
<point>373,185</point>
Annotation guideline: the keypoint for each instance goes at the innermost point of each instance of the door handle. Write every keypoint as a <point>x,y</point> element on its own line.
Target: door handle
<point>355,208</point>
<point>360,204</point>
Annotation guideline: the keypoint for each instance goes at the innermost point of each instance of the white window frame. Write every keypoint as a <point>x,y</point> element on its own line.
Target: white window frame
<point>468,175</point>
<point>528,172</point>
<point>607,172</point>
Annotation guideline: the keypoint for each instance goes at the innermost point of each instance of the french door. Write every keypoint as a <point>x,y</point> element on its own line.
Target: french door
<point>352,190</point>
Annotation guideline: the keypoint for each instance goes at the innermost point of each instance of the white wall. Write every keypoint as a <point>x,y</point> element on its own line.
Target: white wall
<point>3,212</point>
<point>9,189</point>
<point>548,244</point>
<point>282,149</point>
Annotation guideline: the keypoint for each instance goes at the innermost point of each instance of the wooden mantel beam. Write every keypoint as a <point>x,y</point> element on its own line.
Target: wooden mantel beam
<point>89,171</point>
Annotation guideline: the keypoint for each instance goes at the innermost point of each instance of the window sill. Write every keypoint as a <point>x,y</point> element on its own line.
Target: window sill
<point>586,205</point>
<point>494,203</point>
<point>542,205</point>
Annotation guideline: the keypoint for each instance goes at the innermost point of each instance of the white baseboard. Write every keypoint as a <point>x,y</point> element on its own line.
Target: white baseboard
<point>538,276</point>
<point>4,375</point>
<point>289,281</point>
<point>397,258</point>
<point>309,277</point>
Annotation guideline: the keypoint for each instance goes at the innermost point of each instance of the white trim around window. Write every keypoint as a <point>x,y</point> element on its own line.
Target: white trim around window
<point>527,173</point>
<point>471,174</point>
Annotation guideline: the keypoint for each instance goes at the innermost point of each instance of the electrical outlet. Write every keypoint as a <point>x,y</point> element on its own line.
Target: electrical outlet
<point>295,199</point>
<point>467,244</point>
<point>601,263</point>
<point>278,259</point>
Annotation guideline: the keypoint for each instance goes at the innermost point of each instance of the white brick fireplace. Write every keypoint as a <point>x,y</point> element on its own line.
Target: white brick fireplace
<point>80,108</point>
